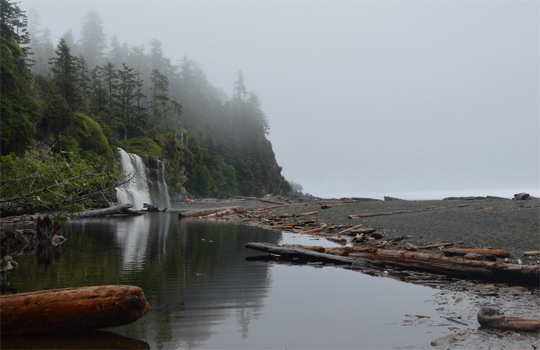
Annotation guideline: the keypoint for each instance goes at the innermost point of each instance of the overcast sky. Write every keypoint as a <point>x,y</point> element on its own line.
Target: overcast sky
<point>364,98</point>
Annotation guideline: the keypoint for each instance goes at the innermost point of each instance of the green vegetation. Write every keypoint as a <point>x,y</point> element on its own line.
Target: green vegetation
<point>66,110</point>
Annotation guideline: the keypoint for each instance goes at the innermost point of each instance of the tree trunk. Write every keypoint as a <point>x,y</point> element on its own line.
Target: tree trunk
<point>299,253</point>
<point>116,209</point>
<point>71,310</point>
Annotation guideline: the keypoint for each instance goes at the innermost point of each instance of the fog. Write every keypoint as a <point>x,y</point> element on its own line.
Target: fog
<point>409,99</point>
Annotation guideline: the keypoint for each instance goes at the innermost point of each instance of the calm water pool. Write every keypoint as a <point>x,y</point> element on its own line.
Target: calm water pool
<point>205,295</point>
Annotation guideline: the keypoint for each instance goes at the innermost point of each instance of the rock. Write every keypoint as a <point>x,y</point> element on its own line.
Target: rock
<point>376,235</point>
<point>386,199</point>
<point>451,338</point>
<point>411,247</point>
<point>521,196</point>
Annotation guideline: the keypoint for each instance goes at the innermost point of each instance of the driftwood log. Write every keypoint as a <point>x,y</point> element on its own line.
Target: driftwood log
<point>452,266</point>
<point>115,209</point>
<point>71,310</point>
<point>205,212</point>
<point>497,252</point>
<point>489,317</point>
<point>299,253</point>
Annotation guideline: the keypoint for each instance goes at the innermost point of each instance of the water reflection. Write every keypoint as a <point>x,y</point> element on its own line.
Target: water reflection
<point>204,294</point>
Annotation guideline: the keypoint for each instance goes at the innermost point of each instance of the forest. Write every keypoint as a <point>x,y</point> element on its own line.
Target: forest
<point>66,108</point>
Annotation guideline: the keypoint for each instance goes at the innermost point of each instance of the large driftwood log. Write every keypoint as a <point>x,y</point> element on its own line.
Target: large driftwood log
<point>458,267</point>
<point>205,212</point>
<point>71,310</point>
<point>115,209</point>
<point>489,317</point>
<point>463,251</point>
<point>299,253</point>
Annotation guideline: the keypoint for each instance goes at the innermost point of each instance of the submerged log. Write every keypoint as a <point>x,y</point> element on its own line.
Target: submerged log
<point>452,266</point>
<point>205,212</point>
<point>489,317</point>
<point>299,253</point>
<point>71,310</point>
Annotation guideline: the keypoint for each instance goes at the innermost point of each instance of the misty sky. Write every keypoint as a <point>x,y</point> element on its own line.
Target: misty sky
<point>364,98</point>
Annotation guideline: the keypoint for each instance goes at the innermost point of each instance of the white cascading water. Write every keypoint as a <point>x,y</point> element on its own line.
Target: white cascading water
<point>142,188</point>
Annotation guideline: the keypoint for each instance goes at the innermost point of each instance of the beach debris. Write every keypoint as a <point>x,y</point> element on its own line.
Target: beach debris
<point>71,309</point>
<point>532,253</point>
<point>497,252</point>
<point>436,245</point>
<point>411,247</point>
<point>451,338</point>
<point>433,263</point>
<point>489,317</point>
<point>474,256</point>
<point>208,212</point>
<point>327,206</point>
<point>309,213</point>
<point>350,229</point>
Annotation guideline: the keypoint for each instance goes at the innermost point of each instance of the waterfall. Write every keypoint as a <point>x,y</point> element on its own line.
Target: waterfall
<point>147,184</point>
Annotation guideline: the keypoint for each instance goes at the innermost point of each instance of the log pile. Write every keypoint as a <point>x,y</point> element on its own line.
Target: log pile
<point>485,270</point>
<point>216,212</point>
<point>71,310</point>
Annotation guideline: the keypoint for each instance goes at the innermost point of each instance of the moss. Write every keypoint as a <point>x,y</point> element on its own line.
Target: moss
<point>143,146</point>
<point>88,135</point>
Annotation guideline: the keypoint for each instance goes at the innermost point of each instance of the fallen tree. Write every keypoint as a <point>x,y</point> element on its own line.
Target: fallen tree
<point>115,209</point>
<point>71,310</point>
<point>300,253</point>
<point>452,266</point>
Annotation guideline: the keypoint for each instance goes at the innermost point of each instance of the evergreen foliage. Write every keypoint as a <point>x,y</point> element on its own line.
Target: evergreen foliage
<point>86,106</point>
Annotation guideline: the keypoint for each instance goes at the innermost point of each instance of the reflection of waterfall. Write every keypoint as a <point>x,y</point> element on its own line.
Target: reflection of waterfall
<point>147,184</point>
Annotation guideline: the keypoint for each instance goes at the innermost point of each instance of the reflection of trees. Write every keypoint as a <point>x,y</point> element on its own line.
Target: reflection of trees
<point>199,281</point>
<point>193,273</point>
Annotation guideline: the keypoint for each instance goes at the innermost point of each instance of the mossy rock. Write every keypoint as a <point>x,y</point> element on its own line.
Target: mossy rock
<point>90,137</point>
<point>143,146</point>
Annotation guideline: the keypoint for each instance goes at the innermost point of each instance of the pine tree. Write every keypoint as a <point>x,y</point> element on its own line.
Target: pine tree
<point>159,98</point>
<point>126,95</point>
<point>98,101</point>
<point>93,41</point>
<point>110,78</point>
<point>64,68</point>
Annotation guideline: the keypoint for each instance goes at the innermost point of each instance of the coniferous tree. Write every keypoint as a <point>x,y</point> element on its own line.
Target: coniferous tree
<point>18,109</point>
<point>110,79</point>
<point>15,21</point>
<point>127,85</point>
<point>98,101</point>
<point>159,98</point>
<point>64,68</point>
<point>70,42</point>
<point>93,40</point>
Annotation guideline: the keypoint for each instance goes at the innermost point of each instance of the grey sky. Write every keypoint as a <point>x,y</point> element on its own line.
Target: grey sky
<point>364,98</point>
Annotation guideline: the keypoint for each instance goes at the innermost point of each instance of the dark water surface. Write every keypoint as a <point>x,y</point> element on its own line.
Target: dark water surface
<point>204,294</point>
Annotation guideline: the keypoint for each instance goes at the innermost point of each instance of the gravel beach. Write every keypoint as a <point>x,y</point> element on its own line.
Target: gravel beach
<point>488,223</point>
